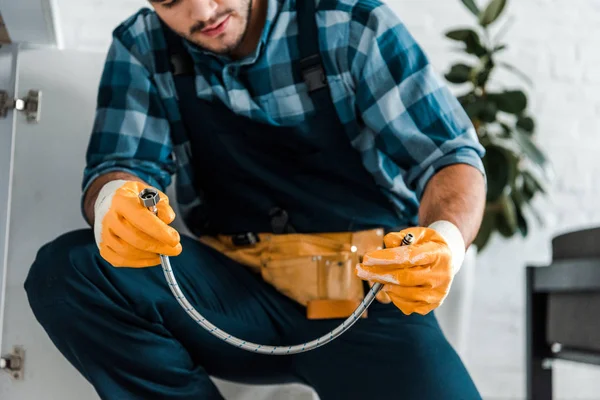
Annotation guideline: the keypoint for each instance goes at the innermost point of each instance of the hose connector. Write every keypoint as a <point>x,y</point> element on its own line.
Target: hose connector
<point>149,198</point>
<point>407,240</point>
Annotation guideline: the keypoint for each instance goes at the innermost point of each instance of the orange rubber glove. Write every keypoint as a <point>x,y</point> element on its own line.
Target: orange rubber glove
<point>127,233</point>
<point>416,277</point>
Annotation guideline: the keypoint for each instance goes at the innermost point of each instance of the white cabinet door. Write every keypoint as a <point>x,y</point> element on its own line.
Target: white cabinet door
<point>46,177</point>
<point>8,80</point>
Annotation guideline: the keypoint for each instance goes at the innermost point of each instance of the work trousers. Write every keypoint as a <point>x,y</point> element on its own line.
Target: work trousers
<point>128,336</point>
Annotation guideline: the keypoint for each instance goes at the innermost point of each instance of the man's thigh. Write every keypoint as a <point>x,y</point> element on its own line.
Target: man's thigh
<point>236,301</point>
<point>133,308</point>
<point>388,355</point>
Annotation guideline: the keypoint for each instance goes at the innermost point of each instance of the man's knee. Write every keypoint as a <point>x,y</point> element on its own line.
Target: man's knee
<point>56,262</point>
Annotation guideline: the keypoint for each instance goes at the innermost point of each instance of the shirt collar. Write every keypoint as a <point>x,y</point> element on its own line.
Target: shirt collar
<point>201,55</point>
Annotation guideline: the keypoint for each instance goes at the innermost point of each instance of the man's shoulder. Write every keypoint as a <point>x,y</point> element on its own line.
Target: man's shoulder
<point>141,34</point>
<point>357,17</point>
<point>357,10</point>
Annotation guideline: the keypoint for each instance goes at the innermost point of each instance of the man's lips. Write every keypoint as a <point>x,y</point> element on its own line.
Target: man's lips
<point>216,29</point>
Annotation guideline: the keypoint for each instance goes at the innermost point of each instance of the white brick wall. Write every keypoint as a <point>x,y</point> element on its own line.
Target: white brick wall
<point>557,43</point>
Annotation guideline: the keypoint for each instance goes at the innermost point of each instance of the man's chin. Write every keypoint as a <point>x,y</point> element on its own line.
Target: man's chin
<point>217,48</point>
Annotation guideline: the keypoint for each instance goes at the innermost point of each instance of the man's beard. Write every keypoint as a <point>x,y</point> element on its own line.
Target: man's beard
<point>233,46</point>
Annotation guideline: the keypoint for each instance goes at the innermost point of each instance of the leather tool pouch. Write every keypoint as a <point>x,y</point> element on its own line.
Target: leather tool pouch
<point>315,270</point>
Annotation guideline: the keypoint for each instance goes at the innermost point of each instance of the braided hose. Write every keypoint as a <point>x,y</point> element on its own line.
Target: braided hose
<point>149,197</point>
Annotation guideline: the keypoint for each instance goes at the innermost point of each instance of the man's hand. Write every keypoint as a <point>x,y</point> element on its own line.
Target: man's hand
<point>126,232</point>
<point>416,277</point>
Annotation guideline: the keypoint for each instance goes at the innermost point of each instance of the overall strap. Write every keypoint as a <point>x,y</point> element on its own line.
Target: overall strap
<point>180,59</point>
<point>181,65</point>
<point>311,65</point>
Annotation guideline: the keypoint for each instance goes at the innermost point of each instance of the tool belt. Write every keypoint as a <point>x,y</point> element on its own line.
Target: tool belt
<point>316,270</point>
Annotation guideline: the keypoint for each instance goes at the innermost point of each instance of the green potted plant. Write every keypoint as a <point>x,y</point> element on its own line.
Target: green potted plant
<point>516,168</point>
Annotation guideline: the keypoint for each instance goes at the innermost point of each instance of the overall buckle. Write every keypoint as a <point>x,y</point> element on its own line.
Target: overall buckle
<point>245,239</point>
<point>313,72</point>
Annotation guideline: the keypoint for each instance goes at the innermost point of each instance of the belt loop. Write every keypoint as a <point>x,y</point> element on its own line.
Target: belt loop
<point>245,239</point>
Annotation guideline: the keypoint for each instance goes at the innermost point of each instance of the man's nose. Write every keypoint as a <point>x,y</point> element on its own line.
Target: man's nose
<point>203,10</point>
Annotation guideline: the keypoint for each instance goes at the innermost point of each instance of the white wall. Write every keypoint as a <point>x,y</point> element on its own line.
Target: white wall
<point>557,43</point>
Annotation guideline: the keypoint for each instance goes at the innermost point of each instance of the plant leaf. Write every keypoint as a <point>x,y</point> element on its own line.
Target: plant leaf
<point>531,185</point>
<point>471,40</point>
<point>474,110</point>
<point>530,149</point>
<point>507,219</point>
<point>527,192</point>
<point>486,229</point>
<point>491,12</point>
<point>474,105</point>
<point>499,48</point>
<point>518,196</point>
<point>470,4</point>
<point>521,221</point>
<point>526,124</point>
<point>511,101</point>
<point>519,201</point>
<point>459,73</point>
<point>484,74</point>
<point>503,29</point>
<point>517,72</point>
<point>488,112</point>
<point>496,164</point>
<point>461,35</point>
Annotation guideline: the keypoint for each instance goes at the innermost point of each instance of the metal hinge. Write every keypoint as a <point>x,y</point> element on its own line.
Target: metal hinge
<point>30,105</point>
<point>13,363</point>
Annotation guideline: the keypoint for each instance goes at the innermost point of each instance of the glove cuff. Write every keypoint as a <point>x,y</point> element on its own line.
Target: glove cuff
<point>102,205</point>
<point>455,241</point>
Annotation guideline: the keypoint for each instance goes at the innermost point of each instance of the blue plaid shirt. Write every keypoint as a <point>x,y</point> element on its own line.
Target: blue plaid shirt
<point>396,111</point>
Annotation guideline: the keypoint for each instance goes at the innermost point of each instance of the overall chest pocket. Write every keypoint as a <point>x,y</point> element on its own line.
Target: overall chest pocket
<point>298,123</point>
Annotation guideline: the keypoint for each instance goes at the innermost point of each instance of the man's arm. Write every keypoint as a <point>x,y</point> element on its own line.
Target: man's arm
<point>131,133</point>
<point>455,194</point>
<point>451,210</point>
<point>92,192</point>
<point>417,135</point>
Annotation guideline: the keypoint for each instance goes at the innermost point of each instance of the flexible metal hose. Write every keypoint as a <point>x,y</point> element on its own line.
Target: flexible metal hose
<point>150,198</point>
